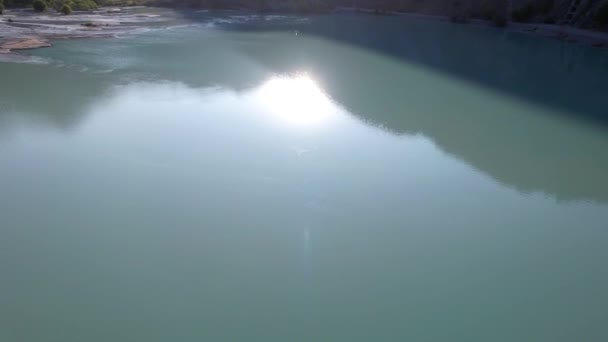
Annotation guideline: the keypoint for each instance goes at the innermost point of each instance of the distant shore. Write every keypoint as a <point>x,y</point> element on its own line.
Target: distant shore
<point>560,32</point>
<point>22,29</point>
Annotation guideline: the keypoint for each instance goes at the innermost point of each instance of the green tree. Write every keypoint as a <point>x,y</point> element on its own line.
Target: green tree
<point>82,5</point>
<point>601,15</point>
<point>66,9</point>
<point>39,6</point>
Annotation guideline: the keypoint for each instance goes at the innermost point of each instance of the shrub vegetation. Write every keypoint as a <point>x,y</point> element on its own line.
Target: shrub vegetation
<point>601,15</point>
<point>39,6</point>
<point>66,9</point>
<point>532,10</point>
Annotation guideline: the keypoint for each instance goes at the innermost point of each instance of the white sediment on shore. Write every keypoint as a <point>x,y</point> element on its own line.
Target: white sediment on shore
<point>23,43</point>
<point>26,29</point>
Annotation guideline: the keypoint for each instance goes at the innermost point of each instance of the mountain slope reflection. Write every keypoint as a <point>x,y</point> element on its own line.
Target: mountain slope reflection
<point>521,144</point>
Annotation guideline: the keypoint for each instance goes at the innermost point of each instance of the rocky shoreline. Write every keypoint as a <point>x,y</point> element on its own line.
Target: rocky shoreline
<point>23,29</point>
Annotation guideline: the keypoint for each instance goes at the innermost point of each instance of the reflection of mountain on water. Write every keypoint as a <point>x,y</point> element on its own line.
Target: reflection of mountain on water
<point>47,94</point>
<point>419,83</point>
<point>425,81</point>
<point>512,63</point>
<point>516,145</point>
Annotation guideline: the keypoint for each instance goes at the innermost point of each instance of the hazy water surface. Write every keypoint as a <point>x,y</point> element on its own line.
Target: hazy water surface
<point>245,178</point>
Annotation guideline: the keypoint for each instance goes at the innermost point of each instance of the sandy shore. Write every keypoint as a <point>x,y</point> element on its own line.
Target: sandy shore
<point>23,43</point>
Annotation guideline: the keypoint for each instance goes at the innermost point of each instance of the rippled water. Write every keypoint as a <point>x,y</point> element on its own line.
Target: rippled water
<point>327,178</point>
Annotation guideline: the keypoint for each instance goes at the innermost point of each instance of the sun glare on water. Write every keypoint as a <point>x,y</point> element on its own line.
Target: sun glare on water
<point>297,100</point>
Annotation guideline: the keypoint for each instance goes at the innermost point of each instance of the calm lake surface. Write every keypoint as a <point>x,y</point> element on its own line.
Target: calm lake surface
<point>331,178</point>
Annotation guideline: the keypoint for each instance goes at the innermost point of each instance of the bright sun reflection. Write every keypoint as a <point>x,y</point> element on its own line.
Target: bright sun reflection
<point>297,100</point>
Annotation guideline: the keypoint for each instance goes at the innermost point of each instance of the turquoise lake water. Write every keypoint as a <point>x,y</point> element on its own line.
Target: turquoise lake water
<point>237,177</point>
